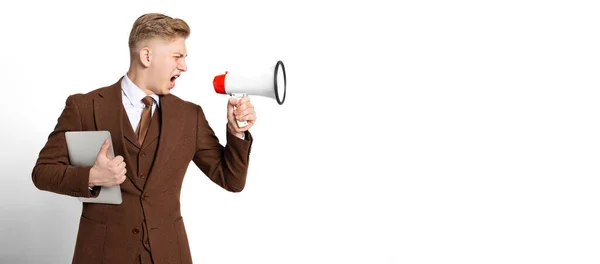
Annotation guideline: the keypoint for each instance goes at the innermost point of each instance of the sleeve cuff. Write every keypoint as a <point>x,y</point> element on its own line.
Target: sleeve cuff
<point>82,182</point>
<point>245,137</point>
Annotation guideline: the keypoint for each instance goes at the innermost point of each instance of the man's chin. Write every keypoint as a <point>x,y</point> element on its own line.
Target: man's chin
<point>166,91</point>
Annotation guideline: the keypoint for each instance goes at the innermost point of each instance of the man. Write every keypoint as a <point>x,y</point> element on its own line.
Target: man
<point>155,137</point>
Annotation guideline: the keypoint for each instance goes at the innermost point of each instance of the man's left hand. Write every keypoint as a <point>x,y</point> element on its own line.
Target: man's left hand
<point>244,112</point>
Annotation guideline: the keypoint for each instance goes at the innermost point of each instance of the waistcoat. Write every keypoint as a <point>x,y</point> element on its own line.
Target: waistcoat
<point>142,159</point>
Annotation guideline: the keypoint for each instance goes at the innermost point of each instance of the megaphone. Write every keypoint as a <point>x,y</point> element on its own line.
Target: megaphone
<point>268,83</point>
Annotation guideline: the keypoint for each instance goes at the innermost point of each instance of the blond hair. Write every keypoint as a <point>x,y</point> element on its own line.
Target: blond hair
<point>154,25</point>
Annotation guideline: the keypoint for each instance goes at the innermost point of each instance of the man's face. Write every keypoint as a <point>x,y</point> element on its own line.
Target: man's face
<point>167,64</point>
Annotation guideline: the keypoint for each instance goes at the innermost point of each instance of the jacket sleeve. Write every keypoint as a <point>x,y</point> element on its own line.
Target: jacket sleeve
<point>226,166</point>
<point>52,171</point>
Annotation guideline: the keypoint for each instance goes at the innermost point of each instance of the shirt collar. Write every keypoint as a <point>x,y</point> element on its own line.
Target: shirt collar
<point>134,93</point>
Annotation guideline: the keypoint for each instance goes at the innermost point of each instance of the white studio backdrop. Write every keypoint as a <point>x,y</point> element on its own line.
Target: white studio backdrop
<point>412,132</point>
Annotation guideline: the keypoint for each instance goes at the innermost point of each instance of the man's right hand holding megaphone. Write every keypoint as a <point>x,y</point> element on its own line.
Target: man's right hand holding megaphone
<point>240,110</point>
<point>269,83</point>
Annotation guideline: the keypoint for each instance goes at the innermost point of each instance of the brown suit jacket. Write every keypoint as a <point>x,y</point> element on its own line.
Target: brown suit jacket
<point>109,233</point>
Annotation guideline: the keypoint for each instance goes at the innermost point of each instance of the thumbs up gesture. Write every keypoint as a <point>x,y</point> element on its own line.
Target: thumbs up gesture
<point>107,171</point>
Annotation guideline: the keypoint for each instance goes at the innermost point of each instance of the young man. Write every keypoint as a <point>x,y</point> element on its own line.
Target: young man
<point>155,136</point>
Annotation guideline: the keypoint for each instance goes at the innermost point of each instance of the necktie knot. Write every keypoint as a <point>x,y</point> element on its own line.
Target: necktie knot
<point>148,101</point>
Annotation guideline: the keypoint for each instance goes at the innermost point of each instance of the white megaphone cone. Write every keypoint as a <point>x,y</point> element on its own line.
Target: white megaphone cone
<point>269,83</point>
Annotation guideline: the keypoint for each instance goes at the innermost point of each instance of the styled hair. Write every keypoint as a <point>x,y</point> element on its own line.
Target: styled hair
<point>154,25</point>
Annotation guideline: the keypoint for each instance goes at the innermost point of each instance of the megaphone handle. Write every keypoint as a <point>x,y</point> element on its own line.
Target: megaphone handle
<point>238,96</point>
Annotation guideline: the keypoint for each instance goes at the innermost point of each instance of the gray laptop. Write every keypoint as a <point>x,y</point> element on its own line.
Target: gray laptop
<point>83,147</point>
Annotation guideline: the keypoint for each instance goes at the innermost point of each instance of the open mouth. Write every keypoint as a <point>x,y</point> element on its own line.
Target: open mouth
<point>173,78</point>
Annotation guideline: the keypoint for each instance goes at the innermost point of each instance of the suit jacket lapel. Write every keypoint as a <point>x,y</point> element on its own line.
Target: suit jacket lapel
<point>170,132</point>
<point>108,115</point>
<point>128,132</point>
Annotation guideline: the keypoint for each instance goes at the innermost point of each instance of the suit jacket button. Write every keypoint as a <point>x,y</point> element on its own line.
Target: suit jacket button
<point>135,230</point>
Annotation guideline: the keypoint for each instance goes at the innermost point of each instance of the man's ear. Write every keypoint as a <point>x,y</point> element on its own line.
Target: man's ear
<point>146,56</point>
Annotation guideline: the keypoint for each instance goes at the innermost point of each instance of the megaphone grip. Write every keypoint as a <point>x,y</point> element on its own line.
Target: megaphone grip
<point>238,96</point>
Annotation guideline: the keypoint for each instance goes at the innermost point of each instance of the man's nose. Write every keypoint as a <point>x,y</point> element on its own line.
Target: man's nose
<point>182,65</point>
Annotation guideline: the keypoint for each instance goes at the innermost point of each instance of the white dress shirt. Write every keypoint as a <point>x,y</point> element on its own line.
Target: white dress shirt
<point>132,101</point>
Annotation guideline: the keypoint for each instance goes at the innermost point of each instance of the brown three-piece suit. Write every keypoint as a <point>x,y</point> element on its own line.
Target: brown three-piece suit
<point>147,227</point>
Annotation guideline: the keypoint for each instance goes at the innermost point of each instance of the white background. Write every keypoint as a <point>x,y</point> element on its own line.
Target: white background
<point>412,132</point>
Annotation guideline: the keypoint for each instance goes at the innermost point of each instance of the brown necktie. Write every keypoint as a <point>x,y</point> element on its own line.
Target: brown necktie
<point>145,121</point>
